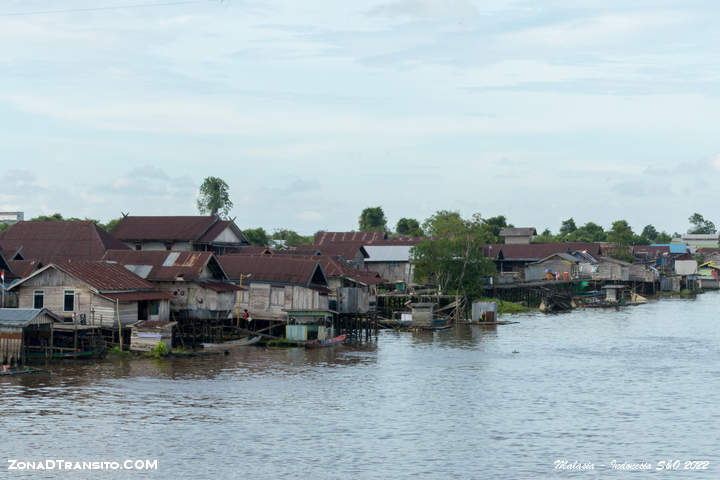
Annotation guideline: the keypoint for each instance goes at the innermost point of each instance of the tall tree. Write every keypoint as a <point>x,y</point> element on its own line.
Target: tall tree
<point>568,226</point>
<point>649,232</point>
<point>663,237</point>
<point>622,236</point>
<point>256,236</point>
<point>292,238</point>
<point>453,260</point>
<point>409,227</point>
<point>700,225</point>
<point>214,197</point>
<point>372,219</point>
<point>492,227</point>
<point>590,232</point>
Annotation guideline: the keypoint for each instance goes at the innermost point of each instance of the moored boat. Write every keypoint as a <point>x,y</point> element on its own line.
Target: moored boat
<point>243,342</point>
<point>330,342</point>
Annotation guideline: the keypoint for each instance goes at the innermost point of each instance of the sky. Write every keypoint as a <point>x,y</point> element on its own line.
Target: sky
<point>314,110</point>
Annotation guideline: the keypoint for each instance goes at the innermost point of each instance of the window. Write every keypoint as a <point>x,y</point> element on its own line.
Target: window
<point>277,296</point>
<point>38,299</point>
<point>155,308</point>
<point>138,246</point>
<point>244,296</point>
<point>69,301</point>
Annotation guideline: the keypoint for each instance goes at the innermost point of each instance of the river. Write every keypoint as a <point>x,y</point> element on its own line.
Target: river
<point>591,386</point>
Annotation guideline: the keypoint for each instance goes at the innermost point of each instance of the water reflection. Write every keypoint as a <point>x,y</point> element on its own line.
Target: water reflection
<point>637,384</point>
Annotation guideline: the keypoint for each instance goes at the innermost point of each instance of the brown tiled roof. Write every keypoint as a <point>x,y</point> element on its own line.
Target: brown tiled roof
<point>165,265</point>
<point>51,242</point>
<point>164,228</point>
<point>347,250</point>
<point>335,267</point>
<point>536,251</point>
<point>23,268</point>
<point>399,241</point>
<point>650,251</point>
<point>323,238</point>
<point>270,268</point>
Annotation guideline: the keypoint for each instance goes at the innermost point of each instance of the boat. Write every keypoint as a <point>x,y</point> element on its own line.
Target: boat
<point>330,342</point>
<point>78,354</point>
<point>27,371</point>
<point>243,342</point>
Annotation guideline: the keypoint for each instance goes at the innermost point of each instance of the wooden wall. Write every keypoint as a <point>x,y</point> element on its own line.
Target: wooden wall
<point>268,301</point>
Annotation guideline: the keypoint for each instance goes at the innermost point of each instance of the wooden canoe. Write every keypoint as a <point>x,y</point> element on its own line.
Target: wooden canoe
<point>331,342</point>
<point>233,343</point>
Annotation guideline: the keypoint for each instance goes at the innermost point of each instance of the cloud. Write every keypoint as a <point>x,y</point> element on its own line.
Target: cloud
<point>426,9</point>
<point>310,215</point>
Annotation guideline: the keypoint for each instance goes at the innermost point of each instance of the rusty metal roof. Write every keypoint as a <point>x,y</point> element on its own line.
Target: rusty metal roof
<point>105,276</point>
<point>165,265</point>
<point>536,251</point>
<point>518,232</point>
<point>286,269</point>
<point>61,241</point>
<point>347,250</point>
<point>165,228</point>
<point>137,296</point>
<point>323,238</point>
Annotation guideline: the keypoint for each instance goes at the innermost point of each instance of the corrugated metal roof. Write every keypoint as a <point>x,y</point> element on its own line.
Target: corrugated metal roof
<point>167,265</point>
<point>270,268</point>
<point>347,250</point>
<point>51,242</point>
<point>323,238</point>
<point>137,296</point>
<point>388,253</point>
<point>106,276</point>
<point>536,251</point>
<point>22,317</point>
<point>163,228</point>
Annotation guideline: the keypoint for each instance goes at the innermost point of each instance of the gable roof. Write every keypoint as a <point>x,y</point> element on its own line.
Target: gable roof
<point>323,238</point>
<point>102,276</point>
<point>536,251</point>
<point>23,317</point>
<point>347,250</point>
<point>334,267</point>
<point>286,269</point>
<point>60,241</point>
<point>564,256</point>
<point>164,265</point>
<point>197,228</point>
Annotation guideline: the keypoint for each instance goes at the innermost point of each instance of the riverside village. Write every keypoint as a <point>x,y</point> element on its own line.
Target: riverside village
<point>200,284</point>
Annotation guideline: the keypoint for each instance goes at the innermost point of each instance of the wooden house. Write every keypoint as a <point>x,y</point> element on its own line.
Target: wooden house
<point>196,280</point>
<point>514,258</point>
<point>93,293</point>
<point>188,233</point>
<point>147,334</point>
<point>565,265</point>
<point>23,329</point>
<point>274,284</point>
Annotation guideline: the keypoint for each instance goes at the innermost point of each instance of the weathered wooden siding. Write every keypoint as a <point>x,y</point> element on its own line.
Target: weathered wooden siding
<point>392,271</point>
<point>271,301</point>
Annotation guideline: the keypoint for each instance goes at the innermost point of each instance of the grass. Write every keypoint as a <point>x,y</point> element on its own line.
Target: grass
<point>505,307</point>
<point>282,342</point>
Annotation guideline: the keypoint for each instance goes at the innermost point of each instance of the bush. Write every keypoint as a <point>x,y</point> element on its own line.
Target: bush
<point>160,350</point>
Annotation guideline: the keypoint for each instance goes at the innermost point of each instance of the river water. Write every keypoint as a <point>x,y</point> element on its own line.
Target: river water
<point>593,386</point>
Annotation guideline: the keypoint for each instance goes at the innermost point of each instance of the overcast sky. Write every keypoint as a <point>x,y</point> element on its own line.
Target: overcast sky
<point>313,110</point>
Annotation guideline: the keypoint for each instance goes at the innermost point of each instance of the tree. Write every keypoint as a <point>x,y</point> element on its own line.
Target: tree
<point>111,224</point>
<point>55,217</point>
<point>492,227</point>
<point>4,226</point>
<point>292,238</point>
<point>256,236</point>
<point>545,237</point>
<point>453,259</point>
<point>409,227</point>
<point>372,219</point>
<point>567,227</point>
<point>590,232</point>
<point>663,237</point>
<point>650,233</point>
<point>622,236</point>
<point>214,197</point>
<point>700,225</point>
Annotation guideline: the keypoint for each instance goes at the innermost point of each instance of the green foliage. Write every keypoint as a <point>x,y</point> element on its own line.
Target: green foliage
<point>111,224</point>
<point>567,227</point>
<point>663,237</point>
<point>545,237</point>
<point>492,227</point>
<point>700,225</point>
<point>4,226</point>
<point>160,350</point>
<point>214,197</point>
<point>409,227</point>
<point>292,238</point>
<point>55,217</point>
<point>372,219</point>
<point>453,260</point>
<point>590,232</point>
<point>256,236</point>
<point>620,233</point>
<point>650,232</point>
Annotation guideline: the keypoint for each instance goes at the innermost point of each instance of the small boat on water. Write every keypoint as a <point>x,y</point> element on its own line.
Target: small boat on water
<point>330,342</point>
<point>243,342</point>
<point>16,371</point>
